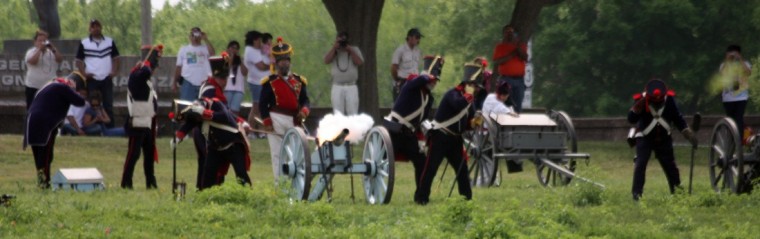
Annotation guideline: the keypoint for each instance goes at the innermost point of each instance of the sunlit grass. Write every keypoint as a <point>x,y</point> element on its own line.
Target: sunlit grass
<point>520,207</point>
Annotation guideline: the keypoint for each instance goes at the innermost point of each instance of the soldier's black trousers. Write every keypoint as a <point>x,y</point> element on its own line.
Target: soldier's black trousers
<point>449,146</point>
<point>215,159</point>
<point>140,140</point>
<point>405,142</point>
<point>663,151</point>
<point>43,157</point>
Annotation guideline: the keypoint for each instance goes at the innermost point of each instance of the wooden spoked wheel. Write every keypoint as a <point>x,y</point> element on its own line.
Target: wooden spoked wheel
<point>294,158</point>
<point>378,155</point>
<point>726,157</point>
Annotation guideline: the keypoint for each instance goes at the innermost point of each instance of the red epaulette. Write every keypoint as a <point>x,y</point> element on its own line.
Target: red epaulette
<point>638,96</point>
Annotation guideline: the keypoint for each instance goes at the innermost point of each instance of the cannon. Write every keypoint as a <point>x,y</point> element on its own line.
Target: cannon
<point>732,169</point>
<point>548,140</point>
<point>300,165</point>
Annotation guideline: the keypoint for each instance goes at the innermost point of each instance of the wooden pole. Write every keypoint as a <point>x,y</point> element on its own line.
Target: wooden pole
<point>145,23</point>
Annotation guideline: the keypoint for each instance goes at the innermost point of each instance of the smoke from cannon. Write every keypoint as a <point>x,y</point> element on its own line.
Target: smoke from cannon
<point>332,125</point>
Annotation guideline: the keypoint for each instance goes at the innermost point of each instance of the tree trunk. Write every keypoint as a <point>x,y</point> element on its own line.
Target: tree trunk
<point>525,15</point>
<point>361,20</point>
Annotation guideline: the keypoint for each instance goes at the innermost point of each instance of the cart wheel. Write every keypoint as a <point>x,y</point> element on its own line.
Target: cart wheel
<point>296,165</point>
<point>548,176</point>
<point>726,157</point>
<point>378,155</point>
<point>479,144</point>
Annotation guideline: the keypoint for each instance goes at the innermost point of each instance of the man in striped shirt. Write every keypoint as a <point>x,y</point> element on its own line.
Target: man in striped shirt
<point>98,58</point>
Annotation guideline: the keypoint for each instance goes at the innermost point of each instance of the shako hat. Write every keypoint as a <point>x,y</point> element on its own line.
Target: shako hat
<point>220,67</point>
<point>78,79</point>
<point>281,50</point>
<point>656,91</point>
<point>151,55</point>
<point>433,65</point>
<point>474,71</point>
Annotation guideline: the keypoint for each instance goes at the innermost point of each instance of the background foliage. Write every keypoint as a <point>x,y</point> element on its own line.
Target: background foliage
<point>589,56</point>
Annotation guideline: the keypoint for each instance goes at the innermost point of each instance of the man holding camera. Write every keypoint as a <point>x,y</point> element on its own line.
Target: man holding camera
<point>41,63</point>
<point>193,66</point>
<point>345,60</point>
<point>734,72</point>
<point>510,56</point>
<point>98,58</point>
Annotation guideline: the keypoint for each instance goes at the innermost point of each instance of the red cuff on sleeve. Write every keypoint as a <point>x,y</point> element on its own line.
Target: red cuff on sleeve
<point>207,114</point>
<point>268,122</point>
<point>180,134</point>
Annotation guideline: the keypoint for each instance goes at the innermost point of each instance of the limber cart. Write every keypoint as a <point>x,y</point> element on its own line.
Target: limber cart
<point>731,169</point>
<point>548,140</point>
<point>300,164</point>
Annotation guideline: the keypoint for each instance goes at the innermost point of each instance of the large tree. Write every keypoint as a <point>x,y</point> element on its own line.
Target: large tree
<point>525,15</point>
<point>361,20</point>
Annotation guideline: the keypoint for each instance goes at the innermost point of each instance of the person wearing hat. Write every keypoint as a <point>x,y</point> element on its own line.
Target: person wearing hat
<point>41,64</point>
<point>455,114</point>
<point>510,55</point>
<point>193,65</point>
<point>409,111</point>
<point>98,58</point>
<point>225,139</point>
<point>284,101</point>
<point>212,88</point>
<point>142,103</point>
<point>405,60</point>
<point>345,60</point>
<point>655,113</point>
<point>47,112</point>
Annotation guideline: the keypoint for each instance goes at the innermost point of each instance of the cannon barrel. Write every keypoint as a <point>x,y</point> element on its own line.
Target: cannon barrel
<point>340,138</point>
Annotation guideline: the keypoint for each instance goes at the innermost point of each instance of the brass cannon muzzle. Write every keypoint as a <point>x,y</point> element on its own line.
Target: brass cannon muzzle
<point>340,138</point>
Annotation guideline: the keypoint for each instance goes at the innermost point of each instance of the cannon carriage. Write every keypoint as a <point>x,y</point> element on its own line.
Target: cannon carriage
<point>731,168</point>
<point>548,140</point>
<point>300,164</point>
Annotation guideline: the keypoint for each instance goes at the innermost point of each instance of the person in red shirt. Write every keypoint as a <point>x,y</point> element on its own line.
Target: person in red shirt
<point>510,56</point>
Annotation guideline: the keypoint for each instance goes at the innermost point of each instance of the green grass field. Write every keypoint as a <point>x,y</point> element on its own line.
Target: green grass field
<point>519,208</point>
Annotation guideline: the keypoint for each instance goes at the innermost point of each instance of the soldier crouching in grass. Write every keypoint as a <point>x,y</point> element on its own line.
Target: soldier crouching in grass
<point>142,103</point>
<point>46,113</point>
<point>412,106</point>
<point>653,113</point>
<point>455,114</point>
<point>225,140</point>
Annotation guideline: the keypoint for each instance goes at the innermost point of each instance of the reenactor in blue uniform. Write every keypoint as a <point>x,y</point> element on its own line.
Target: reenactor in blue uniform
<point>455,114</point>
<point>655,113</point>
<point>225,140</point>
<point>45,115</point>
<point>410,109</point>
<point>142,103</point>
<point>213,87</point>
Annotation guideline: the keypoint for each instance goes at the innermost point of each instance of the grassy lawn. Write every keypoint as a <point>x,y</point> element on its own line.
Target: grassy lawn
<point>519,208</point>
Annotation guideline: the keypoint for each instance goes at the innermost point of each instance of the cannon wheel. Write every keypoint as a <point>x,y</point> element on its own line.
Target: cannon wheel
<point>378,154</point>
<point>726,157</point>
<point>548,176</point>
<point>295,151</point>
<point>479,144</point>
